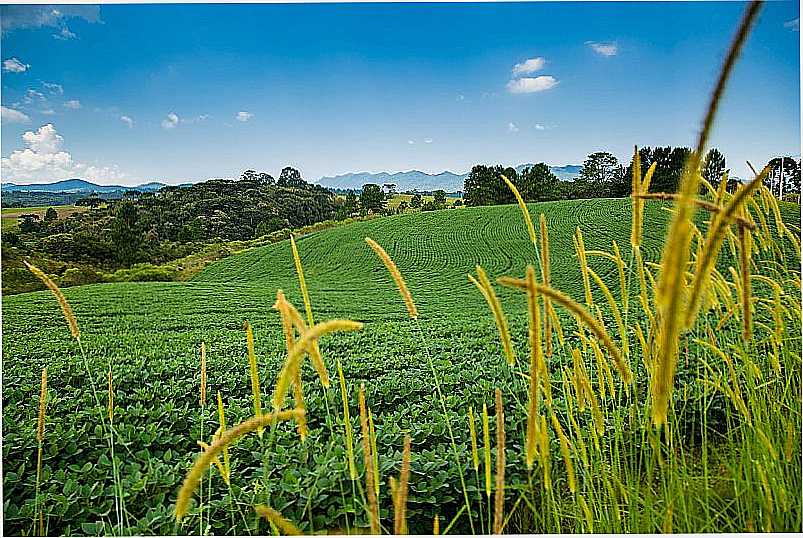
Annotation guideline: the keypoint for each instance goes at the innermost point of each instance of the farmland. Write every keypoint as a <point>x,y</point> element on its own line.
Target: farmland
<point>10,215</point>
<point>150,334</point>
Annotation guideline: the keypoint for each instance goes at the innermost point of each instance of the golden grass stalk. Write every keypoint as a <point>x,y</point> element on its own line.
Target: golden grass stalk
<point>298,396</point>
<point>485,287</point>
<point>436,525</point>
<point>582,314</point>
<point>472,428</point>
<point>671,293</point>
<point>215,460</point>
<point>204,460</point>
<point>702,204</point>
<point>400,504</point>
<point>374,451</point>
<point>222,418</point>
<point>543,441</point>
<point>252,363</point>
<point>580,247</point>
<point>290,319</point>
<point>111,396</point>
<point>499,493</point>
<point>527,220</point>
<point>301,282</point>
<point>546,277</point>
<point>285,526</point>
<point>40,424</point>
<point>486,438</point>
<point>536,360</point>
<point>745,248</point>
<point>397,276</point>
<point>617,315</point>
<point>620,265</point>
<point>347,423</point>
<point>370,481</point>
<point>287,374</point>
<point>566,451</point>
<point>54,289</point>
<point>635,228</point>
<point>40,437</point>
<point>203,374</point>
<point>713,243</point>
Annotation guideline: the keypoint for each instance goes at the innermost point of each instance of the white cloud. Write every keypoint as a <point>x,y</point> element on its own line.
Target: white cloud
<point>33,96</point>
<point>605,49</point>
<point>64,34</point>
<point>73,104</point>
<point>531,84</point>
<point>14,65</point>
<point>427,141</point>
<point>512,128</point>
<point>128,121</point>
<point>170,121</point>
<point>411,142</point>
<point>53,88</point>
<point>243,116</point>
<point>461,97</point>
<point>540,127</point>
<point>793,25</point>
<point>529,66</point>
<point>30,16</point>
<point>10,115</point>
<point>44,160</point>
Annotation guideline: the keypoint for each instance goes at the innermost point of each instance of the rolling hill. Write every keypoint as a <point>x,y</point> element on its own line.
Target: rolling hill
<point>77,186</point>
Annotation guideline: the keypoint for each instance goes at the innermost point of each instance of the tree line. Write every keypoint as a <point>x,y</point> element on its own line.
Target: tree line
<point>603,176</point>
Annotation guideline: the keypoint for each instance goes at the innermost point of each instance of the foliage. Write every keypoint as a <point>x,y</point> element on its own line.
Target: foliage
<point>372,198</point>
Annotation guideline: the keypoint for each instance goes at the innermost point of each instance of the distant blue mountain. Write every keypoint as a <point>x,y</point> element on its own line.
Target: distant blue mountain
<point>78,186</point>
<point>422,181</point>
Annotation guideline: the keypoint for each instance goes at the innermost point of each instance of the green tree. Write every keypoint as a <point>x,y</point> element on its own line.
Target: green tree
<point>416,201</point>
<point>439,198</point>
<point>372,198</point>
<point>713,167</point>
<point>290,177</point>
<point>783,177</point>
<point>537,183</point>
<point>51,215</point>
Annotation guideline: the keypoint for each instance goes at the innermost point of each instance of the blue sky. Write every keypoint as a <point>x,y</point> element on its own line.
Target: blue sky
<point>174,93</point>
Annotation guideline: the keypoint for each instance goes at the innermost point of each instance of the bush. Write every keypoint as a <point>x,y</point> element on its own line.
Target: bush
<point>144,272</point>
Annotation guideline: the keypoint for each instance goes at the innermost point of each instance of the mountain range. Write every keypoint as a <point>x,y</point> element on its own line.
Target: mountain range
<point>422,181</point>
<point>78,186</point>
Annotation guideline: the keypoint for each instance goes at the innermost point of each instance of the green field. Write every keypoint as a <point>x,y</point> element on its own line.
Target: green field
<point>151,332</point>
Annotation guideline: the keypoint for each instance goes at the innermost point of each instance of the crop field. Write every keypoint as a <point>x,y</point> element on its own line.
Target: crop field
<point>420,377</point>
<point>10,215</point>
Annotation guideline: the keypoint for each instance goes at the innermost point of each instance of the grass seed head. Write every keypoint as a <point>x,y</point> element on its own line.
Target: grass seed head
<point>397,276</point>
<point>66,309</point>
<point>286,527</point>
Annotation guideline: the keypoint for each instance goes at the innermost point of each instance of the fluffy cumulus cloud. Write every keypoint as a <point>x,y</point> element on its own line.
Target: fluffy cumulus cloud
<point>9,115</point>
<point>512,127</point>
<point>14,65</point>
<point>46,16</point>
<point>603,49</point>
<point>170,121</point>
<point>540,127</point>
<point>43,159</point>
<point>243,116</point>
<point>529,66</point>
<point>532,84</point>
<point>73,104</point>
<point>128,121</point>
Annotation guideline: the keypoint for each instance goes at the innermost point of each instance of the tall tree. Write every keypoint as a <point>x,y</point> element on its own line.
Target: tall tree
<point>713,167</point>
<point>439,197</point>
<point>290,177</point>
<point>784,176</point>
<point>372,198</point>
<point>537,183</point>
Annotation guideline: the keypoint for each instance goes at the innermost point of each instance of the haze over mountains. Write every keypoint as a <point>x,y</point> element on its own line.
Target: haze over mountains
<point>78,186</point>
<point>422,181</point>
